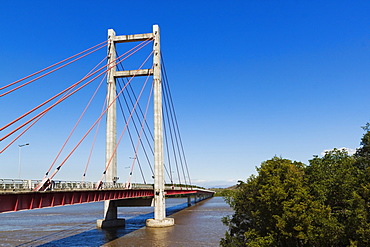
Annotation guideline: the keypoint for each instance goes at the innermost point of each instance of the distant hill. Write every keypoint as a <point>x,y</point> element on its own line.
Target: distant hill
<point>223,191</point>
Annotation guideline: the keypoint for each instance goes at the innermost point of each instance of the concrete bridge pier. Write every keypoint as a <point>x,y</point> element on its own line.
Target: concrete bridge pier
<point>189,201</point>
<point>110,216</point>
<point>197,198</point>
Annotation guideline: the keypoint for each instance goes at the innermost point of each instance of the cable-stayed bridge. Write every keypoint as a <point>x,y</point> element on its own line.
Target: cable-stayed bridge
<point>136,113</point>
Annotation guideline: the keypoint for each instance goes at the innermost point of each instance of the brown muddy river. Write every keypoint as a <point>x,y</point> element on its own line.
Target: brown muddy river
<point>198,225</point>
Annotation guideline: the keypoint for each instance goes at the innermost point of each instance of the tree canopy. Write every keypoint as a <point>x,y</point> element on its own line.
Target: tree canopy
<point>288,203</point>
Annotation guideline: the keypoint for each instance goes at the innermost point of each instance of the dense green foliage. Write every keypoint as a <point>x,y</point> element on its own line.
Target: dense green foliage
<point>290,204</point>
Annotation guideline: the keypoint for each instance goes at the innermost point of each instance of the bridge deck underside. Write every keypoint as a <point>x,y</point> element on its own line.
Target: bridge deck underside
<point>16,201</point>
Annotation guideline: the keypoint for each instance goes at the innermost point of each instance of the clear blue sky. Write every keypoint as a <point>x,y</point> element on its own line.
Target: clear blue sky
<point>250,79</point>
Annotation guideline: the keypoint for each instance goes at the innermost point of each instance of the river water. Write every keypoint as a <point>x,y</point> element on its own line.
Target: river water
<point>198,225</point>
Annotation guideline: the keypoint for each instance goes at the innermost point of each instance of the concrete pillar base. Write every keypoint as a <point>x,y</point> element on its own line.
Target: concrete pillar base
<point>189,201</point>
<point>160,223</point>
<point>102,223</point>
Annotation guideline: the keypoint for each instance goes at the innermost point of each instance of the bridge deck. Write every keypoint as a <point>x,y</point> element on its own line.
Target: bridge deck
<point>15,197</point>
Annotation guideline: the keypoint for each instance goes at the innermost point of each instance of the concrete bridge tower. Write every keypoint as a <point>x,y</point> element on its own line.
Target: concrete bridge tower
<point>160,219</point>
<point>110,206</point>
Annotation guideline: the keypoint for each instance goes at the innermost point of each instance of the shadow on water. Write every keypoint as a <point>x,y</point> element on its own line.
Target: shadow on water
<point>97,237</point>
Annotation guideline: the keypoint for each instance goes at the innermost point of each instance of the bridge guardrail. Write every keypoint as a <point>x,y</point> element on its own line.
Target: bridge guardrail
<point>29,185</point>
<point>18,184</point>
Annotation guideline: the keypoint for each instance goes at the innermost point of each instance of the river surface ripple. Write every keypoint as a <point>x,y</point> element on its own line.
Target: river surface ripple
<point>198,225</point>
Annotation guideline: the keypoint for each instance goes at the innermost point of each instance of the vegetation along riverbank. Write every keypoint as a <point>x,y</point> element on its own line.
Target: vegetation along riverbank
<point>288,203</point>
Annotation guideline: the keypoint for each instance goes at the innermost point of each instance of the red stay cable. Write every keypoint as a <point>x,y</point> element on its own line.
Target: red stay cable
<point>81,140</point>
<point>72,86</point>
<point>78,121</point>
<point>26,83</point>
<point>93,143</point>
<point>140,135</point>
<point>53,105</point>
<point>47,101</point>
<point>24,131</point>
<point>128,120</point>
<point>38,72</point>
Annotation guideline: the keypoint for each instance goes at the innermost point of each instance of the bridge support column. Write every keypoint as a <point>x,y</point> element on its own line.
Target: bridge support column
<point>189,201</point>
<point>110,216</point>
<point>160,219</point>
<point>110,207</point>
